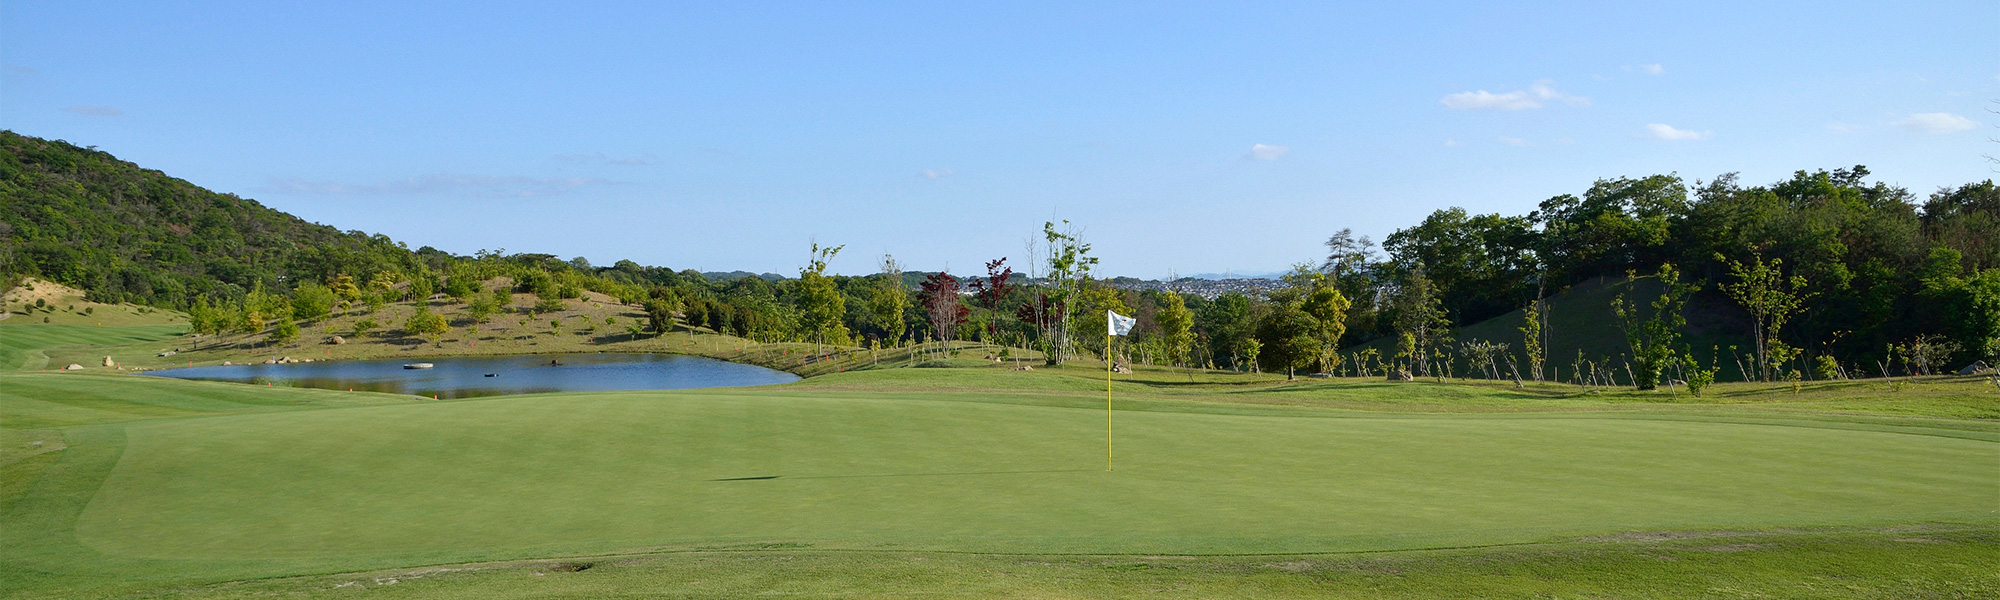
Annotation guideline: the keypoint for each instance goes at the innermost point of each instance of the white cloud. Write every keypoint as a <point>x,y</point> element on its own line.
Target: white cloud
<point>600,158</point>
<point>1452,144</point>
<point>1533,97</point>
<point>1936,123</point>
<point>936,173</point>
<point>95,111</point>
<point>438,183</point>
<point>1653,69</point>
<point>1667,132</point>
<point>1269,152</point>
<point>1514,141</point>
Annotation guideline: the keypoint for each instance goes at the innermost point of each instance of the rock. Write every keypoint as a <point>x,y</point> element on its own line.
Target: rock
<point>286,360</point>
<point>1024,368</point>
<point>226,363</point>
<point>73,367</point>
<point>336,340</point>
<point>1321,375</point>
<point>1400,375</point>
<point>109,363</point>
<point>1977,367</point>
<point>168,353</point>
<point>270,361</point>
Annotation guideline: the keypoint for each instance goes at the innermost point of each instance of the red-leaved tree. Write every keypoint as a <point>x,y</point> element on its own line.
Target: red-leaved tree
<point>940,298</point>
<point>992,290</point>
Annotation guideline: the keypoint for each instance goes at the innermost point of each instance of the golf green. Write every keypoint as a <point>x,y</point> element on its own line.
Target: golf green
<point>556,474</point>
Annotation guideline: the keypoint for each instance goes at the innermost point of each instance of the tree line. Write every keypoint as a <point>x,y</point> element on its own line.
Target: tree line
<point>1823,274</point>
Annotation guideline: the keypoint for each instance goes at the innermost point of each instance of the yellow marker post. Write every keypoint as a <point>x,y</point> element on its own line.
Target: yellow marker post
<point>1115,325</point>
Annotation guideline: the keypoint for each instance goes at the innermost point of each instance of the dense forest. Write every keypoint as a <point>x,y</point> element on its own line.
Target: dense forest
<point>1826,274</point>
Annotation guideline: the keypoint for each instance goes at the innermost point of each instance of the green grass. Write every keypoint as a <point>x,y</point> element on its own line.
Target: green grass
<point>29,346</point>
<point>1898,564</point>
<point>169,486</point>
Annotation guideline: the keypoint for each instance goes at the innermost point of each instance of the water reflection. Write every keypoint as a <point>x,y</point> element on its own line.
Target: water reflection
<point>466,377</point>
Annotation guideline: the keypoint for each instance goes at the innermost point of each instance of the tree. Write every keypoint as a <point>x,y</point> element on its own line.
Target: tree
<point>1654,338</point>
<point>1420,321</point>
<point>480,308</point>
<point>1227,321</point>
<point>343,287</point>
<point>888,301</point>
<point>1176,325</point>
<point>204,318</point>
<point>427,324</point>
<point>285,331</point>
<point>361,327</point>
<point>422,287</point>
<point>825,309</point>
<point>1328,309</point>
<point>1069,267</point>
<point>992,290</point>
<point>659,316</point>
<point>1772,300</point>
<point>1968,308</point>
<point>941,304</point>
<point>461,286</point>
<point>312,302</point>
<point>1286,340</point>
<point>1534,318</point>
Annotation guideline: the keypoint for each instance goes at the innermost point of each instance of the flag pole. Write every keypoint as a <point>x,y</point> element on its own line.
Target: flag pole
<point>1107,400</point>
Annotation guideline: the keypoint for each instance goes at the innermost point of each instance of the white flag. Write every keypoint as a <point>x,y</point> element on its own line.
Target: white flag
<point>1120,324</point>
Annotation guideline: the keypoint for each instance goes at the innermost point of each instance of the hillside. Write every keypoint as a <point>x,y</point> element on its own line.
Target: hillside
<point>122,233</point>
<point>37,301</point>
<point>1580,322</point>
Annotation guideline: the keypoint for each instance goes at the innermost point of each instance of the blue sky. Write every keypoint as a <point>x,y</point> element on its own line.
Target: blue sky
<point>1194,138</point>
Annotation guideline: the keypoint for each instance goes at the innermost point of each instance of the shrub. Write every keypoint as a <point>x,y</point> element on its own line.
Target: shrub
<point>1698,378</point>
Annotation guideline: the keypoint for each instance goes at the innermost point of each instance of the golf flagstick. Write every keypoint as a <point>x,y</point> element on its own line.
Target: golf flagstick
<point>1116,325</point>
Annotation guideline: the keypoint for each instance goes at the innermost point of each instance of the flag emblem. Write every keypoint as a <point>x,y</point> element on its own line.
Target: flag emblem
<point>1120,324</point>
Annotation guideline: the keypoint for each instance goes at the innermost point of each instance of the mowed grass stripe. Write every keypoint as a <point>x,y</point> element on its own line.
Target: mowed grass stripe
<point>42,400</point>
<point>582,473</point>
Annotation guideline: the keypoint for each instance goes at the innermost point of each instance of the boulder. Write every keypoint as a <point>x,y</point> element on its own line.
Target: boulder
<point>1977,367</point>
<point>109,363</point>
<point>227,363</point>
<point>336,340</point>
<point>1024,368</point>
<point>1401,375</point>
<point>1321,375</point>
<point>73,367</point>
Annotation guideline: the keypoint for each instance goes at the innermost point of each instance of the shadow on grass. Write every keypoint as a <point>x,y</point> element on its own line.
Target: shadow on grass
<point>770,477</point>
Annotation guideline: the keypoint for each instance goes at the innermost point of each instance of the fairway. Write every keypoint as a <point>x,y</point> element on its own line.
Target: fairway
<point>607,472</point>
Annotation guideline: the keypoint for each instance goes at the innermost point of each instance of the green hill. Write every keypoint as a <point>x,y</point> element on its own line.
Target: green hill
<point>83,218</point>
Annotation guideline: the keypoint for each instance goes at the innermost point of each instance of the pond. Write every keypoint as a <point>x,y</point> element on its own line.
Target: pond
<point>472,376</point>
